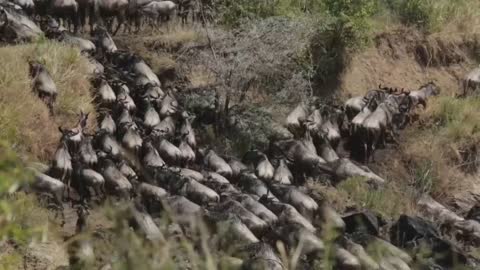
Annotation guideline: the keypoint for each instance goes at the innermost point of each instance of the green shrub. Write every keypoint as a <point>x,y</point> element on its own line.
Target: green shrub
<point>433,15</point>
<point>21,219</point>
<point>422,13</point>
<point>232,12</point>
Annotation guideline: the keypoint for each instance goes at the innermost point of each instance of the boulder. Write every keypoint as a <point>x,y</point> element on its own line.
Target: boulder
<point>363,221</point>
<point>416,233</point>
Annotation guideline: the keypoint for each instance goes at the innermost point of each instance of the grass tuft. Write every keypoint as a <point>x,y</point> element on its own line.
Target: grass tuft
<point>389,201</point>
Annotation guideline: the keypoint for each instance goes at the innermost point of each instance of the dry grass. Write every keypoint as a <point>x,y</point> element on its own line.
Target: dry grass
<point>459,16</point>
<point>24,119</point>
<point>199,76</point>
<point>450,128</point>
<point>173,37</point>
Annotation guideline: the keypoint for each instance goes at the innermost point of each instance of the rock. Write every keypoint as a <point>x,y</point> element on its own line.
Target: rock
<point>364,221</point>
<point>414,233</point>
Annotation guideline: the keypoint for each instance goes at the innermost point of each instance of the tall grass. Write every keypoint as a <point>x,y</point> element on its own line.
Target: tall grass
<point>437,15</point>
<point>438,151</point>
<point>24,119</point>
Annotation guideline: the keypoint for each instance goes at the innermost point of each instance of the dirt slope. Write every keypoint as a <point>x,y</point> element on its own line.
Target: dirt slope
<point>407,59</point>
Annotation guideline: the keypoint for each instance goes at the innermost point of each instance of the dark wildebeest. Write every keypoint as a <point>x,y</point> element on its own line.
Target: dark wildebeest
<point>43,84</point>
<point>106,9</point>
<point>66,10</point>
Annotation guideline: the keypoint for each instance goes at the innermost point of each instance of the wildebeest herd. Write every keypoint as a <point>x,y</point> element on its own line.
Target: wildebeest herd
<point>144,149</point>
<point>17,17</point>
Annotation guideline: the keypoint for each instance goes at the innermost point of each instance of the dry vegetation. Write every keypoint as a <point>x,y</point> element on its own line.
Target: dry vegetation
<point>24,120</point>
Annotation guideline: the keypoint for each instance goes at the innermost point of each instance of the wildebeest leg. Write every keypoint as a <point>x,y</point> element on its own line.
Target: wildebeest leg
<point>365,152</point>
<point>120,21</point>
<point>138,23</point>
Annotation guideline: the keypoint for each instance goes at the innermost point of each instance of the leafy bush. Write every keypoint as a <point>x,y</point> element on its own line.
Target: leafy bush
<point>433,15</point>
<point>21,220</point>
<point>423,13</point>
<point>233,12</point>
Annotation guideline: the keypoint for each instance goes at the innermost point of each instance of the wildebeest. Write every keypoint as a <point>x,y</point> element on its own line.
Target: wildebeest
<point>17,27</point>
<point>103,40</point>
<point>66,10</point>
<point>282,174</point>
<point>354,105</point>
<point>106,143</point>
<point>143,222</point>
<point>61,167</point>
<point>217,164</point>
<point>471,81</point>
<point>116,183</point>
<point>158,11</point>
<point>254,223</point>
<point>86,152</point>
<point>187,130</point>
<point>169,105</point>
<point>133,13</point>
<point>151,157</point>
<point>262,256</point>
<point>150,117</point>
<point>426,91</point>
<point>106,123</point>
<point>105,95</point>
<point>380,123</point>
<point>188,155</point>
<point>195,191</point>
<point>142,71</point>
<point>43,84</point>
<point>131,138</point>
<point>292,195</point>
<point>230,228</point>
<point>75,135</point>
<point>255,207</point>
<point>27,5</point>
<point>46,184</point>
<point>84,45</point>
<point>84,178</point>
<point>296,117</point>
<point>169,152</point>
<point>106,9</point>
<point>299,239</point>
<point>263,168</point>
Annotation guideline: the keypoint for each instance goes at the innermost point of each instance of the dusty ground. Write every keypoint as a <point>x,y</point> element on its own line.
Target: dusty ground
<point>406,59</point>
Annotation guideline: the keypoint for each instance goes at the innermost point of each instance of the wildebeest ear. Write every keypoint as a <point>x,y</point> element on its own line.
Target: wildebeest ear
<point>61,130</point>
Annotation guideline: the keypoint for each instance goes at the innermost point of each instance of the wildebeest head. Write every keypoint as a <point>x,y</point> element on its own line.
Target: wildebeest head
<point>34,67</point>
<point>431,88</point>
